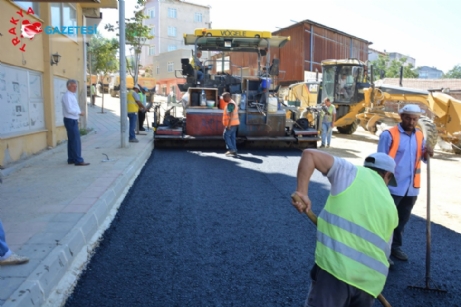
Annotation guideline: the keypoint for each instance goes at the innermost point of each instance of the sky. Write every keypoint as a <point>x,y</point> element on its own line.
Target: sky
<point>426,30</point>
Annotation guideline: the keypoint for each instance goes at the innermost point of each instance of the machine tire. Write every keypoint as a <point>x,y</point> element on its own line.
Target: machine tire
<point>429,130</point>
<point>348,129</point>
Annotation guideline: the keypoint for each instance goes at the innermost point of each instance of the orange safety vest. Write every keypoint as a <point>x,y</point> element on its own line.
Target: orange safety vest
<point>395,133</point>
<point>233,117</point>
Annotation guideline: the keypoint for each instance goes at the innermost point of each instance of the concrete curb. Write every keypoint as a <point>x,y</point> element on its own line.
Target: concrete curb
<point>75,249</point>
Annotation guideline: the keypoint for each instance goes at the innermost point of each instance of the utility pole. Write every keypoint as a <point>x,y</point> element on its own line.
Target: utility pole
<point>122,64</point>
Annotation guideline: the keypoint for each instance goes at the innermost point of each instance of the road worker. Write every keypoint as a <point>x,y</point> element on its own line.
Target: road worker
<point>354,229</point>
<point>406,145</point>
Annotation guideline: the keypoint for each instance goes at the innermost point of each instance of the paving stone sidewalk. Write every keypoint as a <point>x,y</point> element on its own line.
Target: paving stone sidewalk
<point>52,210</point>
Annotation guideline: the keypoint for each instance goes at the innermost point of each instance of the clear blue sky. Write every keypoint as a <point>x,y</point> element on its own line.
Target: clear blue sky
<point>426,30</point>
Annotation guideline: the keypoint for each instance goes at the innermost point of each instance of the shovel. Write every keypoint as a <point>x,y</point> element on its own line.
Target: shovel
<point>313,219</point>
<point>427,280</point>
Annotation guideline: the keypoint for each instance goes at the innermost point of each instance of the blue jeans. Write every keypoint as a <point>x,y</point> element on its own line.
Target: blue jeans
<point>133,117</point>
<point>199,75</point>
<point>74,144</point>
<point>230,137</point>
<point>4,250</point>
<point>326,133</point>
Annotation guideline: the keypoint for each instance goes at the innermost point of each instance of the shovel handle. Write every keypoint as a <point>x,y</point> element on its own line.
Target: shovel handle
<point>311,215</point>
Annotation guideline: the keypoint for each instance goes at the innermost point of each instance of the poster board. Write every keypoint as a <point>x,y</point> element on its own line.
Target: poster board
<point>21,100</point>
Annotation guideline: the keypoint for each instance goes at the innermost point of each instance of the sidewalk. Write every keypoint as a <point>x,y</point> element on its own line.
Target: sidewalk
<point>53,212</point>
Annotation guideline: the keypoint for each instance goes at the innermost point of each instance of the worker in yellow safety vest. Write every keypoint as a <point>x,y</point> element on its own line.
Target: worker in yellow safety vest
<point>406,145</point>
<point>354,229</point>
<point>134,105</point>
<point>230,121</point>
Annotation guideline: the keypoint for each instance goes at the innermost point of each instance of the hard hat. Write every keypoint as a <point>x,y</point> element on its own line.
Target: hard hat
<point>136,87</point>
<point>413,109</point>
<point>382,161</point>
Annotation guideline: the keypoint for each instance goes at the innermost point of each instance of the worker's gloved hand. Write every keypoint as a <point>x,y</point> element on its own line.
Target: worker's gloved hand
<point>302,206</point>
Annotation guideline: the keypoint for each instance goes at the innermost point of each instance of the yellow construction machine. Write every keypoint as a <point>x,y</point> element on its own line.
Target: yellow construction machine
<point>359,101</point>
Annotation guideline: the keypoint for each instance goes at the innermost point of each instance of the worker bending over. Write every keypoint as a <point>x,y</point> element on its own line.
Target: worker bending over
<point>354,229</point>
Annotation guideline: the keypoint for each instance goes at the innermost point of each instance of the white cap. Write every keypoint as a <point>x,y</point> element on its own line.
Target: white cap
<point>137,87</point>
<point>413,109</point>
<point>380,160</point>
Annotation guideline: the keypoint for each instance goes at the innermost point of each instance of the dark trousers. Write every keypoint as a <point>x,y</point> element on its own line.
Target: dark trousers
<point>93,99</point>
<point>404,206</point>
<point>74,144</point>
<point>141,118</point>
<point>328,291</point>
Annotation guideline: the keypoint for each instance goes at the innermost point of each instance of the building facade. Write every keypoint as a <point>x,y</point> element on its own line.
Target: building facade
<point>397,56</point>
<point>37,58</point>
<point>169,20</point>
<point>426,72</point>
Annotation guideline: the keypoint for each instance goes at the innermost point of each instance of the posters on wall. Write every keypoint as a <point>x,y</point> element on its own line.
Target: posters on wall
<point>21,100</point>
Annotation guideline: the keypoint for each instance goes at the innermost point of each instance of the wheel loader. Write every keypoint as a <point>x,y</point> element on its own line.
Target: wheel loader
<point>359,101</point>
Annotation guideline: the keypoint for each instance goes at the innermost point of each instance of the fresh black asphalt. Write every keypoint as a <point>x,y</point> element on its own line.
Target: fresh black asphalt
<point>201,229</point>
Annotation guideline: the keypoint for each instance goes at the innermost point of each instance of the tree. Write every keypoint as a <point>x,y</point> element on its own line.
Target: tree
<point>383,68</point>
<point>103,57</point>
<point>454,73</point>
<point>136,33</point>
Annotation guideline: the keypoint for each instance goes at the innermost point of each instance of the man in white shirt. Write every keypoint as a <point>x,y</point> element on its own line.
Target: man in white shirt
<point>71,112</point>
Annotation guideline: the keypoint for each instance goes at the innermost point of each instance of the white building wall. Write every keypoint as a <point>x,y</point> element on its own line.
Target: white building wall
<point>184,22</point>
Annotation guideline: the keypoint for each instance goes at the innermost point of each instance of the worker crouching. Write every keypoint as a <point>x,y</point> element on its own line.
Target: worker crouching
<point>354,229</point>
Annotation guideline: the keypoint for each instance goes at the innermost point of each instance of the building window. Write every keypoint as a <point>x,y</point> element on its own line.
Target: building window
<point>172,13</point>
<point>171,47</point>
<point>158,70</point>
<point>151,13</point>
<point>25,5</point>
<point>172,31</point>
<point>64,15</point>
<point>152,50</point>
<point>152,31</point>
<point>170,66</point>
<point>198,17</point>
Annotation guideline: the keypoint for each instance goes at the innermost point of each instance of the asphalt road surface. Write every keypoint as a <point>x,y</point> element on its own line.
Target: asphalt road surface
<point>201,229</point>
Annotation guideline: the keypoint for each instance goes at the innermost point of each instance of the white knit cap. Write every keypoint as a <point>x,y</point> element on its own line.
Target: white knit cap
<point>413,109</point>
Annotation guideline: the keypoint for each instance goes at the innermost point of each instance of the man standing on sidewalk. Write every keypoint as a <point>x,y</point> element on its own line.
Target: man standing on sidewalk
<point>6,255</point>
<point>406,145</point>
<point>71,112</point>
<point>134,105</point>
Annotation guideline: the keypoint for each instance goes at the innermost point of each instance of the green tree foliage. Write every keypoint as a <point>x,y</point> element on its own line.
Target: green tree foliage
<point>454,73</point>
<point>383,67</point>
<point>136,33</point>
<point>103,52</point>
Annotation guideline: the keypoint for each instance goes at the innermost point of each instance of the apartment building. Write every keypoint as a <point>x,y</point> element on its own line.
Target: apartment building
<point>169,20</point>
